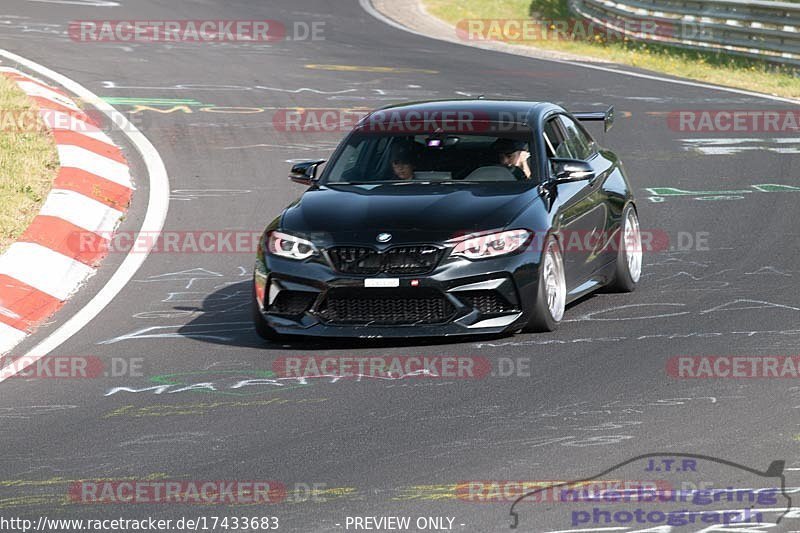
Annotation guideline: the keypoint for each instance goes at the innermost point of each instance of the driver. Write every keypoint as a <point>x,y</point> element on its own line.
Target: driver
<point>514,156</point>
<point>402,159</point>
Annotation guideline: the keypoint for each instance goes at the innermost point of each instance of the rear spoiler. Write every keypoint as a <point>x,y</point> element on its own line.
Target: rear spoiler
<point>607,117</point>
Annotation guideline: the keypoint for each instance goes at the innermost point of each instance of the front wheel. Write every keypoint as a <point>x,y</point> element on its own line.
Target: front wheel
<point>551,294</point>
<point>628,270</point>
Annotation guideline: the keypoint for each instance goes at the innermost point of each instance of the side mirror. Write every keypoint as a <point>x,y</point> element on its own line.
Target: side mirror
<point>305,172</point>
<point>568,170</point>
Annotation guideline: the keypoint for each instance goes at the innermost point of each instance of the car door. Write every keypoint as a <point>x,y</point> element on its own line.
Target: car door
<point>583,212</point>
<point>586,149</point>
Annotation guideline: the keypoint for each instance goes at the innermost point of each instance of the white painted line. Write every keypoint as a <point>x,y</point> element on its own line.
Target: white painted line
<point>157,207</point>
<point>77,157</point>
<point>10,337</point>
<point>367,6</point>
<point>81,210</point>
<point>44,269</point>
<point>34,89</point>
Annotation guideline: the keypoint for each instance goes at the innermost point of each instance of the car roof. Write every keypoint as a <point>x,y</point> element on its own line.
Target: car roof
<point>522,111</point>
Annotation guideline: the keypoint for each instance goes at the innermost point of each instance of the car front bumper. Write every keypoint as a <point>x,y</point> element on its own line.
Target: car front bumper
<point>459,297</point>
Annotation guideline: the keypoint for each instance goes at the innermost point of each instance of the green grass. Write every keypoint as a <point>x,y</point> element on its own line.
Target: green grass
<point>28,163</point>
<point>721,69</point>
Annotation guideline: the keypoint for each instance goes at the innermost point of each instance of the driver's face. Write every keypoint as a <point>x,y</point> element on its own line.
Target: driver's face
<point>403,170</point>
<point>508,158</point>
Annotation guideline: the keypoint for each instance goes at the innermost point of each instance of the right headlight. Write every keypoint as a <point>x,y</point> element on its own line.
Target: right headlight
<point>289,246</point>
<point>492,244</point>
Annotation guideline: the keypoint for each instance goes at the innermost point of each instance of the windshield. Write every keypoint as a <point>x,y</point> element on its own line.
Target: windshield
<point>437,157</point>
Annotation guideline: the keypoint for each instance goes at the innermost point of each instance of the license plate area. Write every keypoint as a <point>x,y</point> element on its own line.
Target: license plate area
<point>381,283</point>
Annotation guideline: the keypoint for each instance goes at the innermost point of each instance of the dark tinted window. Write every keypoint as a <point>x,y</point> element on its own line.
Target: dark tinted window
<point>580,145</point>
<point>554,138</point>
<point>431,157</point>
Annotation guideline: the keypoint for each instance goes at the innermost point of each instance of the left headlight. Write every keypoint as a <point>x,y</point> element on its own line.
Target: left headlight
<point>289,246</point>
<point>492,244</point>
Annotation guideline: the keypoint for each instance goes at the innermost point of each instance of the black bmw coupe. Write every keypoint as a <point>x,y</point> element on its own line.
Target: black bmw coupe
<point>449,218</point>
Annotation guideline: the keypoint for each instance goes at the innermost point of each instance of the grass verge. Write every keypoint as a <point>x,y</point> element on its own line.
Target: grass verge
<point>720,69</point>
<point>28,163</point>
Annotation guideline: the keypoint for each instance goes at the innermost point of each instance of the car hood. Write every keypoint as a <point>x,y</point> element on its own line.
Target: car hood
<point>411,212</point>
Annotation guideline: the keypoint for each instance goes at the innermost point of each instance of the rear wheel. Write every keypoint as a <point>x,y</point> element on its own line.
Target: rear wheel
<point>629,255</point>
<point>551,296</point>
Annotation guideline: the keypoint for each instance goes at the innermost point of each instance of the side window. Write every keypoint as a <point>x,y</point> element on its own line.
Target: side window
<point>555,141</point>
<point>580,145</point>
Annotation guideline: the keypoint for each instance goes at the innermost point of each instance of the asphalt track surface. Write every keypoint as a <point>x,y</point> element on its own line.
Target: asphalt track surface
<point>597,393</point>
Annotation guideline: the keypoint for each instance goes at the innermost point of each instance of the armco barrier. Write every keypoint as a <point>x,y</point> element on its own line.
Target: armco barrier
<point>752,28</point>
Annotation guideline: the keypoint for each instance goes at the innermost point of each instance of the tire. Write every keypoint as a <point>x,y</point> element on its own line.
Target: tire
<point>628,270</point>
<point>551,292</point>
<point>262,328</point>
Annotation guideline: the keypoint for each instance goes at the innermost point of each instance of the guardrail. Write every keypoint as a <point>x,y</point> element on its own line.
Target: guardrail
<point>752,28</point>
